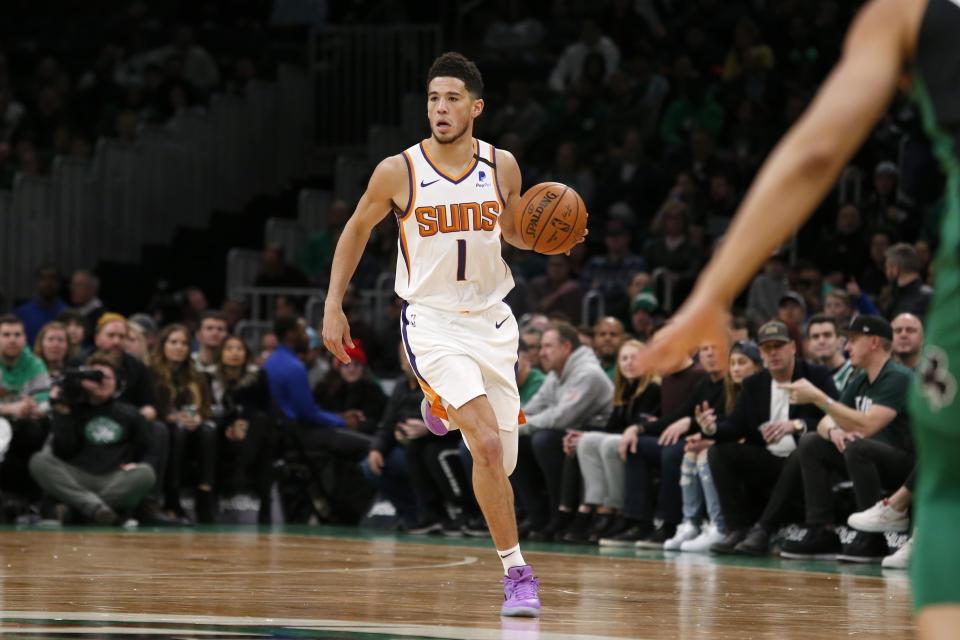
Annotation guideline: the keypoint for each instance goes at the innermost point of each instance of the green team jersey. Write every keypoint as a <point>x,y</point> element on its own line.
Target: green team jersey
<point>531,385</point>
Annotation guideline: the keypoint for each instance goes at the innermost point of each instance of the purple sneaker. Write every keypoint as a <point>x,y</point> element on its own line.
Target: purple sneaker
<point>520,593</point>
<point>435,424</point>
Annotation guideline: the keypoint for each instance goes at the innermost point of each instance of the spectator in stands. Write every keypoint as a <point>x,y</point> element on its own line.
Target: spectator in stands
<point>747,43</point>
<point>841,251</point>
<point>571,65</point>
<point>642,320</point>
<point>100,459</point>
<point>234,310</point>
<point>276,272</point>
<point>194,306</point>
<point>910,293</point>
<point>907,339</point>
<point>84,287</point>
<point>632,178</point>
<point>767,288</point>
<point>76,332</point>
<point>884,208</point>
<point>694,107</point>
<point>136,343</point>
<point>521,114</point>
<point>636,400</point>
<point>531,336</point>
<point>673,248</point>
<point>210,335</point>
<point>184,404</point>
<point>148,327</point>
<point>52,347</point>
<point>268,344</point>
<point>24,406</point>
<point>576,395</point>
<point>349,390</point>
<point>866,436</point>
<point>568,168</point>
<point>241,407</point>
<point>658,444</point>
<point>608,335</point>
<point>768,425</point>
<point>386,465</point>
<point>46,304</point>
<point>836,304</point>
<point>792,310</point>
<point>696,480</point>
<point>873,277</point>
<point>809,284</point>
<point>555,291</point>
<point>319,430</point>
<point>610,273</point>
<point>826,347</point>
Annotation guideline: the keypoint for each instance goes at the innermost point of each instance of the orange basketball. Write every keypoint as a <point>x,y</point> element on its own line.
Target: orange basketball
<point>552,217</point>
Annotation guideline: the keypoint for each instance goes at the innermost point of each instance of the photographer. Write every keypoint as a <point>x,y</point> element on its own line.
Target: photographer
<point>99,460</point>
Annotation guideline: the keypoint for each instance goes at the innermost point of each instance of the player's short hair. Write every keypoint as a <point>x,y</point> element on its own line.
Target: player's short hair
<point>455,65</point>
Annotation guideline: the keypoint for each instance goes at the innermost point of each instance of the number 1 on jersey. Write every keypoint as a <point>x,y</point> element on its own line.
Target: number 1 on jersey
<point>461,260</point>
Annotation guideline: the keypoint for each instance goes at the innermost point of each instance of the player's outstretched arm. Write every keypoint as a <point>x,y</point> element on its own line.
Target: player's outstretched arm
<point>797,175</point>
<point>388,180</point>
<point>508,177</point>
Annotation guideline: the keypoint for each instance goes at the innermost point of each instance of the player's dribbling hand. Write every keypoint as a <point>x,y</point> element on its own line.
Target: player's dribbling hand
<point>699,320</point>
<point>336,332</point>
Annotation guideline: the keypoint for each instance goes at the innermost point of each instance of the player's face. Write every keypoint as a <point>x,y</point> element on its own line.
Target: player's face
<point>451,109</point>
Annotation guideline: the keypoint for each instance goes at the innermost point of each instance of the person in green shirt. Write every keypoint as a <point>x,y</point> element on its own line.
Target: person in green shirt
<point>866,435</point>
<point>24,407</point>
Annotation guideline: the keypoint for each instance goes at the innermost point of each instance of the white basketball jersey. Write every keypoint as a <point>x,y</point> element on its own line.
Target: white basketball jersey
<point>449,254</point>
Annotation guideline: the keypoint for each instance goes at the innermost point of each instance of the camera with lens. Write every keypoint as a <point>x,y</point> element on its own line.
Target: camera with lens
<point>71,384</point>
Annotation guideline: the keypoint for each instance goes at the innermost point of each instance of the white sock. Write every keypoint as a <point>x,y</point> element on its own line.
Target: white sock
<point>511,558</point>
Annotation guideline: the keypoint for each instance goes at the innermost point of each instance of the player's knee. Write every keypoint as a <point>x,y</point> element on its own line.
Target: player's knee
<point>487,451</point>
<point>510,441</point>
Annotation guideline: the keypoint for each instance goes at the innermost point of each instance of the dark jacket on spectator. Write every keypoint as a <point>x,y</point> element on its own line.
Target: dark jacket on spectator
<point>403,404</point>
<point>138,387</point>
<point>335,394</point>
<point>636,410</point>
<point>913,297</point>
<point>753,406</point>
<point>706,390</point>
<point>99,439</point>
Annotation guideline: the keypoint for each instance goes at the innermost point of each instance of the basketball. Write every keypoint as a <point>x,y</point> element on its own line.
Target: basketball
<point>552,217</point>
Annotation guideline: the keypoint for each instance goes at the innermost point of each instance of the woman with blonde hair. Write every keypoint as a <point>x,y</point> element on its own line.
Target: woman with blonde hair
<point>52,347</point>
<point>184,403</point>
<point>636,399</point>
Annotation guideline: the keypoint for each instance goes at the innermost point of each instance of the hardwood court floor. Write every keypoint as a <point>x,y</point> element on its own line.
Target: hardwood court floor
<point>334,583</point>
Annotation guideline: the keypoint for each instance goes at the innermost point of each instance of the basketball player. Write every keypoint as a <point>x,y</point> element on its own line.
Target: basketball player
<point>891,43</point>
<point>454,196</point>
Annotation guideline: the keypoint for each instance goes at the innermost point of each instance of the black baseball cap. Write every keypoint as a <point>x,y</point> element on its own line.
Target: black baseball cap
<point>871,326</point>
<point>773,331</point>
<point>793,296</point>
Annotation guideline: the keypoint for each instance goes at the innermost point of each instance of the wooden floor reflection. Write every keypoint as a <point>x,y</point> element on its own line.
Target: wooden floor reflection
<point>392,588</point>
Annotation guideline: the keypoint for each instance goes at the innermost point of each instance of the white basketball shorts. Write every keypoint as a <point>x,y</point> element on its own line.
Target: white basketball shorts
<point>460,356</point>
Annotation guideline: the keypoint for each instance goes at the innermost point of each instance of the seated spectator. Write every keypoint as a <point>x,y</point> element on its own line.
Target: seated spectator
<point>609,273</point>
<point>674,248</point>
<point>864,436</point>
<point>148,327</point>
<point>210,335</point>
<point>658,445</point>
<point>136,343</point>
<point>241,406</point>
<point>276,272</point>
<point>45,305</point>
<point>636,400</point>
<point>100,460</point>
<point>836,305</point>
<point>761,435</point>
<point>194,306</point>
<point>767,288</point>
<point>24,407</point>
<point>608,335</point>
<point>808,282</point>
<point>576,395</point>
<point>51,347</point>
<point>234,310</point>
<point>842,251</point>
<point>639,281</point>
<point>884,208</point>
<point>873,276</point>
<point>555,291</point>
<point>792,311</point>
<point>642,318</point>
<point>349,390</point>
<point>825,347</point>
<point>84,287</point>
<point>907,339</point>
<point>76,332</point>
<point>318,429</point>
<point>184,404</point>
<point>910,293</point>
<point>570,66</point>
<point>696,481</point>
<point>268,344</point>
<point>531,336</point>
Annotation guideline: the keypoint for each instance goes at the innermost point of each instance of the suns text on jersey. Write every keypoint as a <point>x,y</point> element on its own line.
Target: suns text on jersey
<point>465,216</point>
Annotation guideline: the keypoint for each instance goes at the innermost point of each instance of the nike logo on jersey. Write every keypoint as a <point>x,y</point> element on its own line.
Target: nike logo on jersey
<point>427,184</point>
<point>500,324</point>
